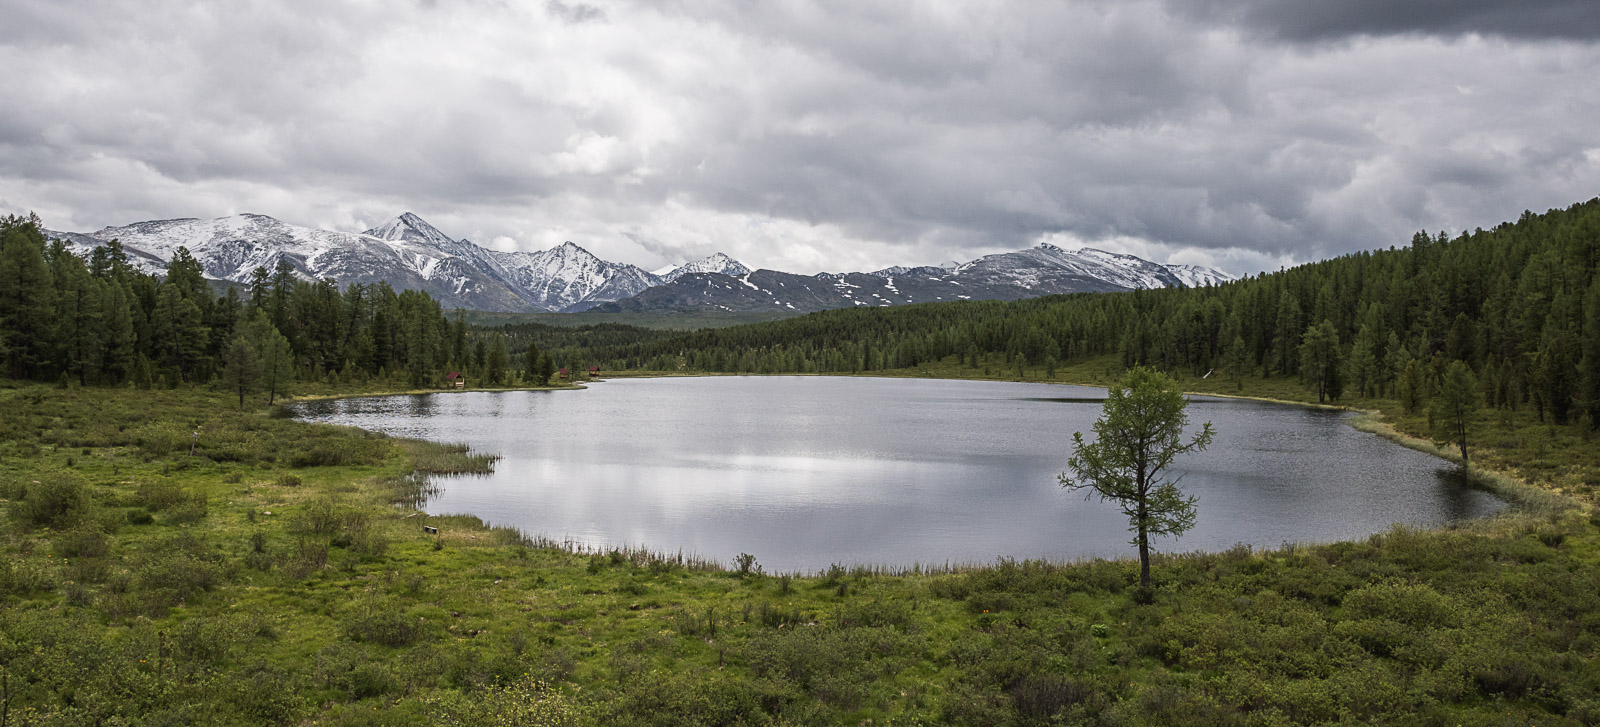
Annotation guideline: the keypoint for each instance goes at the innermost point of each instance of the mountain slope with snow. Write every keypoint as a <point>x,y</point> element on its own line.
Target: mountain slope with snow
<point>1042,270</point>
<point>718,263</point>
<point>410,254</point>
<point>406,252</point>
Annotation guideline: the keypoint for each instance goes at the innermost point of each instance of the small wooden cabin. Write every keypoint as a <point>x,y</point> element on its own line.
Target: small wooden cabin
<point>565,373</point>
<point>594,371</point>
<point>454,380</point>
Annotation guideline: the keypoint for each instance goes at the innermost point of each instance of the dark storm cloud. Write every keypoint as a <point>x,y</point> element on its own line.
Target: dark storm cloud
<point>1322,20</point>
<point>808,135</point>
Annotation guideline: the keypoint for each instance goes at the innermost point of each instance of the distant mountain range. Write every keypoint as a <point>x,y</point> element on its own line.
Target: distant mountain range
<point>411,254</point>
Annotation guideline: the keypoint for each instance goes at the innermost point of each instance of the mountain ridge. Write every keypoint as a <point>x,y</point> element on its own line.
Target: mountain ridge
<point>410,254</point>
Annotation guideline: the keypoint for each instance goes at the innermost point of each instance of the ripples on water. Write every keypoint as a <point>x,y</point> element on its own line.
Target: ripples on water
<point>804,472</point>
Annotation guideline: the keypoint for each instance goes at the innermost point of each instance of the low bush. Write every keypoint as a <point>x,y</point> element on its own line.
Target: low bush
<point>24,576</point>
<point>56,499</point>
<point>82,542</point>
<point>382,622</point>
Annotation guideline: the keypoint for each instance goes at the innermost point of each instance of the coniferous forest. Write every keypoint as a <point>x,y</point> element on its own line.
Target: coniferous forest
<point>1518,304</point>
<point>174,550</point>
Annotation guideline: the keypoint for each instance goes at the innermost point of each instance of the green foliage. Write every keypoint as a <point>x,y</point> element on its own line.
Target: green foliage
<point>1458,401</point>
<point>295,616</point>
<point>56,499</point>
<point>382,622</point>
<point>1137,437</point>
<point>1517,300</point>
<point>1321,361</point>
<point>241,368</point>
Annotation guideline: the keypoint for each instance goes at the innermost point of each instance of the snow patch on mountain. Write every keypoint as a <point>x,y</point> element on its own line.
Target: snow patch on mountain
<point>717,263</point>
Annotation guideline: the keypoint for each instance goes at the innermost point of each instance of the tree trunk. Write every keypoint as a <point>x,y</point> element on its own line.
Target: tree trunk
<point>1144,549</point>
<point>1144,559</point>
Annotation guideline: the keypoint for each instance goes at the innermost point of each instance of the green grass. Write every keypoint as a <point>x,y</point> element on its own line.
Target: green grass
<point>280,574</point>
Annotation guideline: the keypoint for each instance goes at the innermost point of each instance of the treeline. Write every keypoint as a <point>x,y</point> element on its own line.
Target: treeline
<point>1519,305</point>
<point>99,321</point>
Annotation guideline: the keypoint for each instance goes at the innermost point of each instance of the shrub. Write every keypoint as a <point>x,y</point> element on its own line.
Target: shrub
<point>82,542</point>
<point>22,576</point>
<point>1415,605</point>
<point>55,500</point>
<point>192,508</point>
<point>1043,696</point>
<point>382,622</point>
<point>368,542</point>
<point>529,702</point>
<point>319,517</point>
<point>178,574</point>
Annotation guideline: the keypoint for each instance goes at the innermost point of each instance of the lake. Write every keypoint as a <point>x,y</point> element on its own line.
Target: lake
<point>804,472</point>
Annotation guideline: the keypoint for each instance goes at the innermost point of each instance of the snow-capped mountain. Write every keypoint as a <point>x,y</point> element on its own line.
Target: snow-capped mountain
<point>406,252</point>
<point>568,278</point>
<point>410,254</point>
<point>1042,270</point>
<point>718,263</point>
<point>1199,276</point>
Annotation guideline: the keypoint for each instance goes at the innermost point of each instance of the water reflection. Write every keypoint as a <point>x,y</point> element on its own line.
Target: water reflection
<point>808,471</point>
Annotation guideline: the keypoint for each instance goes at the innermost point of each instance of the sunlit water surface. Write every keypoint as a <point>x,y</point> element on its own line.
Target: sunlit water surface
<point>804,472</point>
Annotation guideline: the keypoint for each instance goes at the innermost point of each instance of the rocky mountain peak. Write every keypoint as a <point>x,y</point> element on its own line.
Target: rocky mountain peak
<point>714,263</point>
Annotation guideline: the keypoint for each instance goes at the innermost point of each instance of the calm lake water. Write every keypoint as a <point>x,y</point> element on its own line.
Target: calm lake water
<point>804,472</point>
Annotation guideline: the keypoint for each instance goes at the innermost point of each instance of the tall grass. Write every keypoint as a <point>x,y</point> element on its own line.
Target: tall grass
<point>440,458</point>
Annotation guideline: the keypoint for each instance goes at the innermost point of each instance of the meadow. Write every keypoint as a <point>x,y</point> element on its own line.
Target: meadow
<point>170,559</point>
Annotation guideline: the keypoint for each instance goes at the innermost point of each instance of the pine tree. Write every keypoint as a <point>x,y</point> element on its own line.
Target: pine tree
<point>1458,402</point>
<point>1589,375</point>
<point>27,324</point>
<point>277,358</point>
<point>1238,365</point>
<point>530,364</point>
<point>547,369</point>
<point>1320,360</point>
<point>241,367</point>
<point>495,363</point>
<point>178,336</point>
<point>1364,363</point>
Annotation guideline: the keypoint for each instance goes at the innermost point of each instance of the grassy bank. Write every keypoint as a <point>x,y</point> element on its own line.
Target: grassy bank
<point>273,571</point>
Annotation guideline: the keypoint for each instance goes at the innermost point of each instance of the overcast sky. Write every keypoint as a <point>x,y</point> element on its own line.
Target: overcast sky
<point>808,136</point>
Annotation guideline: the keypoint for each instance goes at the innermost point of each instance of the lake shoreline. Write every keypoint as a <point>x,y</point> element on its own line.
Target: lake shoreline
<point>367,618</point>
<point>1518,492</point>
<point>460,418</point>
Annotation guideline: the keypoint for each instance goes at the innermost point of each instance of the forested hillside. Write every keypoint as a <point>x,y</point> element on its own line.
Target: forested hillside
<point>99,321</point>
<point>1519,304</point>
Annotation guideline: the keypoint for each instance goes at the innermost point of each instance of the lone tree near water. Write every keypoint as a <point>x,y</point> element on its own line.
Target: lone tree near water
<point>1138,434</point>
<point>1458,402</point>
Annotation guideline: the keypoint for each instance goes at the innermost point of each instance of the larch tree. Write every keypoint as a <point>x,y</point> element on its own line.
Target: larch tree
<point>1137,437</point>
<point>1320,360</point>
<point>241,367</point>
<point>496,361</point>
<point>277,358</point>
<point>530,364</point>
<point>1457,403</point>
